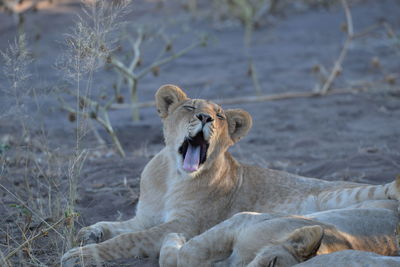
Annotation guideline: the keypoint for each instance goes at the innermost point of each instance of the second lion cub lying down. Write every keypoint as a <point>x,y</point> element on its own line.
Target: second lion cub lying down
<point>255,240</point>
<point>351,258</point>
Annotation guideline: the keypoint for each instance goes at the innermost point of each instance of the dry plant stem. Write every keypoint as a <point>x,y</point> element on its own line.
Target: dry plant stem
<point>389,29</point>
<point>42,232</point>
<point>366,31</point>
<point>134,99</point>
<point>336,67</point>
<point>338,63</point>
<point>349,19</point>
<point>73,172</point>
<point>166,60</point>
<point>113,135</point>
<point>133,82</point>
<point>249,19</point>
<point>254,77</point>
<point>97,134</point>
<point>103,122</point>
<point>136,50</point>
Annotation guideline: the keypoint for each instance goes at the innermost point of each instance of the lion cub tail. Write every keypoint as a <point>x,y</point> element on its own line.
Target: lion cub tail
<point>354,194</point>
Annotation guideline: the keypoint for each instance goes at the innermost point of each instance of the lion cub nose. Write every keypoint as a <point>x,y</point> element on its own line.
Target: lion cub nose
<point>204,118</point>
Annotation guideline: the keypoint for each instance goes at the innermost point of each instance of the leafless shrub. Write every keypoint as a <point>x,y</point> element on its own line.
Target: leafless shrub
<point>133,70</point>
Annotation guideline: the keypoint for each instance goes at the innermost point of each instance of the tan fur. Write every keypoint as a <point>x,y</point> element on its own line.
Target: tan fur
<point>171,245</point>
<point>174,200</point>
<point>268,239</point>
<point>351,258</point>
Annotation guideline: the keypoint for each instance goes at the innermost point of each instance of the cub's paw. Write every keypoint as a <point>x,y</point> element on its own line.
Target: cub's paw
<point>174,240</point>
<point>78,257</point>
<point>91,234</point>
<point>169,249</point>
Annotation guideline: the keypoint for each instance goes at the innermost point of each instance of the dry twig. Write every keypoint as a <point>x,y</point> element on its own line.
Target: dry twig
<point>338,63</point>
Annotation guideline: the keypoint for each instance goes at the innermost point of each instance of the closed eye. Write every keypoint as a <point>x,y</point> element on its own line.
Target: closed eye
<point>220,116</point>
<point>189,108</point>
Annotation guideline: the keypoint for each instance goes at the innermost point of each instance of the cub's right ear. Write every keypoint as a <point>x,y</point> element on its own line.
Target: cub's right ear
<point>166,97</point>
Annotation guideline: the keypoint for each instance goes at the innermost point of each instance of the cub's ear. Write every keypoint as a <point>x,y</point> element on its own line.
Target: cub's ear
<point>167,96</point>
<point>239,123</point>
<point>305,242</point>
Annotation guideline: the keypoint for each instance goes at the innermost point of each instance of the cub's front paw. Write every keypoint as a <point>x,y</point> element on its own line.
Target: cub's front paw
<point>79,256</point>
<point>91,234</point>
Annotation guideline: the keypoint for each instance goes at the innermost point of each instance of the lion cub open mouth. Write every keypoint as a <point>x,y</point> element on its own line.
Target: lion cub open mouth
<point>194,152</point>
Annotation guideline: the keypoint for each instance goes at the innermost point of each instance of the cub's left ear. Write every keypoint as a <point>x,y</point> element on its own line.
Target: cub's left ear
<point>305,242</point>
<point>167,96</point>
<point>239,123</point>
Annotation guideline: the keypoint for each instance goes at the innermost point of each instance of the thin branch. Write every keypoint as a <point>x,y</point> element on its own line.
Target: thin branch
<point>103,122</point>
<point>338,63</point>
<point>254,77</point>
<point>114,136</point>
<point>136,51</point>
<point>349,19</point>
<point>120,66</point>
<point>366,30</point>
<point>85,115</point>
<point>336,67</point>
<point>96,134</point>
<point>161,62</point>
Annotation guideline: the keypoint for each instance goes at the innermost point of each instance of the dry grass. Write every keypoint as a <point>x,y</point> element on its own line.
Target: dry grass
<point>38,182</point>
<point>38,212</point>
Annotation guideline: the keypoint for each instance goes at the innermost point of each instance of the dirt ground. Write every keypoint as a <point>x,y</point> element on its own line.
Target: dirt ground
<point>352,137</point>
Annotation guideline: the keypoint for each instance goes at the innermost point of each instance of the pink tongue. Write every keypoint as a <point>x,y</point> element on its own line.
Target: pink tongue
<point>192,158</point>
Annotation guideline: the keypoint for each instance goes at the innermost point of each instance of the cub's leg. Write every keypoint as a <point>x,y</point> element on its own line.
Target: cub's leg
<point>217,243</point>
<point>145,243</point>
<point>169,249</point>
<point>102,231</point>
<point>354,194</point>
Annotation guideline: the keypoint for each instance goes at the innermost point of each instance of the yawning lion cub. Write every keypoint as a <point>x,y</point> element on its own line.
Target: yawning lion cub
<point>194,183</point>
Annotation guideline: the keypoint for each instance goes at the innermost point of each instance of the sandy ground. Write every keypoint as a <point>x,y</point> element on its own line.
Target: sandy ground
<point>354,137</point>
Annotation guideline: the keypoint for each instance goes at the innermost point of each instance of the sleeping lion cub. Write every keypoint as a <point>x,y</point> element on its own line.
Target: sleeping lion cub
<point>194,183</point>
<point>275,240</point>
